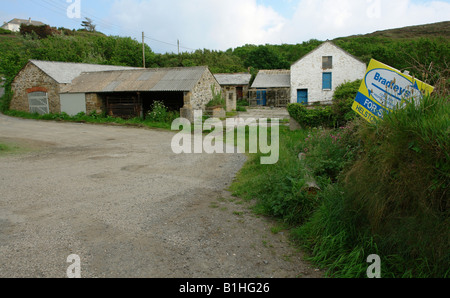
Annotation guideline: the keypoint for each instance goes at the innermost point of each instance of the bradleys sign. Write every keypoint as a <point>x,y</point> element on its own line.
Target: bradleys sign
<point>385,89</point>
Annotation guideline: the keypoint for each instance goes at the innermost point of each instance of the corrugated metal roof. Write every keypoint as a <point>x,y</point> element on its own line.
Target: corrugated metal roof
<point>225,79</point>
<point>64,73</point>
<point>272,79</point>
<point>152,79</point>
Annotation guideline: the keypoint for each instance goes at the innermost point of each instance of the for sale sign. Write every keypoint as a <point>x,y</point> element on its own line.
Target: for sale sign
<point>385,89</point>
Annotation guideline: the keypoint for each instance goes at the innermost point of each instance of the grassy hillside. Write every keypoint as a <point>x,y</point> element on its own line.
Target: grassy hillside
<point>405,48</point>
<point>441,29</point>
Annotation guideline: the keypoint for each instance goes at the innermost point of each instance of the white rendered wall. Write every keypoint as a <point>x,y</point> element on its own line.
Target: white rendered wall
<point>307,73</point>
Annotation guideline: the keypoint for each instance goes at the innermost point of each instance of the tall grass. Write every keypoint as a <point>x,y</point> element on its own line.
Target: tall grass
<point>278,189</point>
<point>393,201</point>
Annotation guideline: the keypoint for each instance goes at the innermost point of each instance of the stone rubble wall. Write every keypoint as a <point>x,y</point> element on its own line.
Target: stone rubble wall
<point>29,78</point>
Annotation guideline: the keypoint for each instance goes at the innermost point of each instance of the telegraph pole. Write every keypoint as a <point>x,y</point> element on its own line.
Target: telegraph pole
<point>143,50</point>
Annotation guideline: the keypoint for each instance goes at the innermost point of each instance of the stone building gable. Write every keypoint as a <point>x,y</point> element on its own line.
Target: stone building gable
<point>31,79</point>
<point>201,94</point>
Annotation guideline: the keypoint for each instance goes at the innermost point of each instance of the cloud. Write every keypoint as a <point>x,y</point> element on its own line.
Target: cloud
<point>211,24</point>
<point>328,19</point>
<point>218,24</point>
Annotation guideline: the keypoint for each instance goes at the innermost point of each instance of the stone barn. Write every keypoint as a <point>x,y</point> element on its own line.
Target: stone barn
<point>55,87</point>
<point>314,77</point>
<point>235,87</point>
<point>37,86</point>
<point>271,88</point>
<point>131,93</point>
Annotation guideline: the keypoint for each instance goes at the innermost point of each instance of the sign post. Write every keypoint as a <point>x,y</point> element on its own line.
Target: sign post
<point>385,89</point>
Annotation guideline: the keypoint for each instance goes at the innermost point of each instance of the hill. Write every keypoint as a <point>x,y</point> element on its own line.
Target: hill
<point>441,29</point>
<point>402,48</point>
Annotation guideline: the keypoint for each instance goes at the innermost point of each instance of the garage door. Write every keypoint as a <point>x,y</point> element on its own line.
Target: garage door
<point>38,102</point>
<point>73,104</point>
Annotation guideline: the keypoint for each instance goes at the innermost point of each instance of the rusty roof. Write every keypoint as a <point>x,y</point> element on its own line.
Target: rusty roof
<point>151,79</point>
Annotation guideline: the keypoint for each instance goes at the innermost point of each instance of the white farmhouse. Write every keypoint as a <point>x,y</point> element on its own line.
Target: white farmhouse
<point>314,77</point>
<point>14,24</point>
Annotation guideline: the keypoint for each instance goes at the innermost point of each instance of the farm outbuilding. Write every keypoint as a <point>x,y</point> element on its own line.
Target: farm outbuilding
<point>55,87</point>
<point>37,86</point>
<point>131,93</point>
<point>235,87</point>
<point>271,88</point>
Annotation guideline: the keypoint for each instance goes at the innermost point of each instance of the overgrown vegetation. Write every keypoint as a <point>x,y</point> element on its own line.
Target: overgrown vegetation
<point>158,121</point>
<point>384,190</point>
<point>336,115</point>
<point>217,99</point>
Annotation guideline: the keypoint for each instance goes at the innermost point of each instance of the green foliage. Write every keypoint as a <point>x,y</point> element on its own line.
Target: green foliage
<point>312,117</point>
<point>5,31</point>
<point>343,99</point>
<point>160,113</point>
<point>278,188</point>
<point>217,100</point>
<point>391,200</point>
<point>43,31</point>
<point>264,57</point>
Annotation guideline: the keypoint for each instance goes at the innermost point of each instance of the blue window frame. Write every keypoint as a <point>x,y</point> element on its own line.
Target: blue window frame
<point>327,80</point>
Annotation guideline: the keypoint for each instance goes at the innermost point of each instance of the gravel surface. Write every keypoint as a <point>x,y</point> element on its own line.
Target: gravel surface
<point>129,207</point>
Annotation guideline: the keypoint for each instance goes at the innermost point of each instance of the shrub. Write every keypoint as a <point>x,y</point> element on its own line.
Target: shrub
<point>43,31</point>
<point>399,186</point>
<point>5,31</point>
<point>217,99</point>
<point>160,113</point>
<point>343,100</point>
<point>312,117</point>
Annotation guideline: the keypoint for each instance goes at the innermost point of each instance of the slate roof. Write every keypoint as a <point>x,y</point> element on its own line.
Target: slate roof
<point>65,73</point>
<point>151,79</point>
<point>233,79</point>
<point>272,79</point>
<point>22,21</point>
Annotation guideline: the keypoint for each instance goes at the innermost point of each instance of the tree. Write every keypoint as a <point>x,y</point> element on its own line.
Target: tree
<point>88,25</point>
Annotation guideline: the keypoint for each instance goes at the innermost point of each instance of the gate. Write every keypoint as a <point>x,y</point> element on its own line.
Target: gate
<point>38,102</point>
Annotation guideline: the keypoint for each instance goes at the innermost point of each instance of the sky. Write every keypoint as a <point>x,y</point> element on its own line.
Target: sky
<point>225,24</point>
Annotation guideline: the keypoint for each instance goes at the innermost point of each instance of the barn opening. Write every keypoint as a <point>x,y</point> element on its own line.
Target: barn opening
<point>137,104</point>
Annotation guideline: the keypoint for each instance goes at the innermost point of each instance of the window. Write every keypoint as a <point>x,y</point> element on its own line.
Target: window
<point>38,102</point>
<point>327,79</point>
<point>327,62</point>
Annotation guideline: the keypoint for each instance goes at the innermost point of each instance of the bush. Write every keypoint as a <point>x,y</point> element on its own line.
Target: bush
<point>399,186</point>
<point>217,99</point>
<point>160,113</point>
<point>312,117</point>
<point>43,31</point>
<point>5,31</point>
<point>343,100</point>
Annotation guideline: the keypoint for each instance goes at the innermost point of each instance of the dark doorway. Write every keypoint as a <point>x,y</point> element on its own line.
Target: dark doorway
<point>173,100</point>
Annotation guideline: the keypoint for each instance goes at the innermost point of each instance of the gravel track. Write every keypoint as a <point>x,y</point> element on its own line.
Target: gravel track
<point>129,207</point>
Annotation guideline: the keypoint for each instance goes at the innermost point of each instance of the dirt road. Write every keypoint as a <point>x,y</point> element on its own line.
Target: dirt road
<point>129,207</point>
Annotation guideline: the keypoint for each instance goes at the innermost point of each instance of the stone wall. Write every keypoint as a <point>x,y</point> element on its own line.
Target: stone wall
<point>94,103</point>
<point>32,78</point>
<point>230,95</point>
<point>202,93</point>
